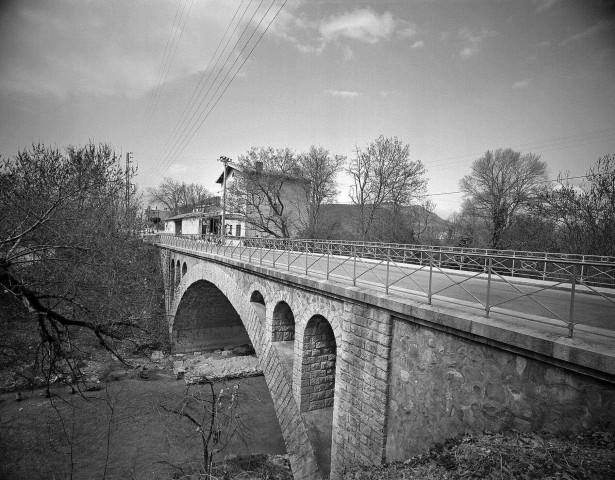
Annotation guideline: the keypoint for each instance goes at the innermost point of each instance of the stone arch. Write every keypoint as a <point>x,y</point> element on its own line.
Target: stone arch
<point>172,277</point>
<point>206,319</point>
<point>257,297</point>
<point>318,365</point>
<point>295,431</point>
<point>184,269</point>
<point>178,276</point>
<point>317,384</point>
<point>283,323</point>
<point>257,300</point>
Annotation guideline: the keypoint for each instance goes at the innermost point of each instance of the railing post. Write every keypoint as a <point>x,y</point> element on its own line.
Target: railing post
<point>487,307</point>
<point>544,270</point>
<point>573,284</point>
<point>288,256</point>
<point>306,257</point>
<point>354,268</point>
<point>386,286</point>
<point>328,255</point>
<point>582,269</point>
<point>512,270</point>
<point>262,249</point>
<point>430,277</point>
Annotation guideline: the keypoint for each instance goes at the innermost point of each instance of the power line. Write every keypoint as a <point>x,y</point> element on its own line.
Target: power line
<point>187,139</point>
<point>542,181</point>
<point>162,62</point>
<point>544,145</point>
<point>180,122</point>
<point>167,64</point>
<point>179,145</point>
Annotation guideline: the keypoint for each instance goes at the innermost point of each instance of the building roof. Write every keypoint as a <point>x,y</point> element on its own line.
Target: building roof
<point>229,168</point>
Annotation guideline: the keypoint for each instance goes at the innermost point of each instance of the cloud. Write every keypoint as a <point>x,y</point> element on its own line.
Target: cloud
<point>361,25</point>
<point>364,25</point>
<point>112,48</point>
<point>418,44</point>
<point>542,5</point>
<point>521,84</point>
<point>472,41</point>
<point>342,93</point>
<point>602,26</point>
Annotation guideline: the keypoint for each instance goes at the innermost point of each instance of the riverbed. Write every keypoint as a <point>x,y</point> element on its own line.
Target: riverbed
<point>125,429</point>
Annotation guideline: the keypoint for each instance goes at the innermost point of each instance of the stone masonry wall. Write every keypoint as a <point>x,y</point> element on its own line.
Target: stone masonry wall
<point>318,365</point>
<point>442,384</point>
<point>363,378</point>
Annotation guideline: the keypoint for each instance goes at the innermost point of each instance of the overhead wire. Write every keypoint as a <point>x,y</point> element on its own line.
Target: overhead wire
<point>200,84</point>
<point>542,146</point>
<point>168,63</point>
<point>162,62</point>
<point>170,157</point>
<point>204,112</point>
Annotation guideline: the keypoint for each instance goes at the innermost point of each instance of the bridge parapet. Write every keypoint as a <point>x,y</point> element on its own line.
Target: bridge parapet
<point>444,274</point>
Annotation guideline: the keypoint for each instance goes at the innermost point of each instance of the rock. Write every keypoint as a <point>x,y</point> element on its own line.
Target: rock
<point>197,353</point>
<point>244,350</point>
<point>157,356</point>
<point>226,353</point>
<point>224,368</point>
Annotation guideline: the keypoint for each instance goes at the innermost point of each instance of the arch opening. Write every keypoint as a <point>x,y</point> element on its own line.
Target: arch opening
<point>172,278</point>
<point>184,269</point>
<point>178,276</point>
<point>283,326</point>
<point>318,387</point>
<point>258,303</point>
<point>206,320</point>
<point>257,297</point>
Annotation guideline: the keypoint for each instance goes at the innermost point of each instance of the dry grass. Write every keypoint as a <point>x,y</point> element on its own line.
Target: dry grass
<point>589,455</point>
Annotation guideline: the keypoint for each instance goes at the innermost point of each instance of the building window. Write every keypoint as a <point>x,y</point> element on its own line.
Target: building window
<point>238,231</point>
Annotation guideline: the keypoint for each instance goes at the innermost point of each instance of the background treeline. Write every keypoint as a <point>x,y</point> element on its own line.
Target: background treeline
<point>510,200</point>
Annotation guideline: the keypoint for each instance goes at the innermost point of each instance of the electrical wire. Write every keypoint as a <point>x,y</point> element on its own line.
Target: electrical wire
<point>204,113</point>
<point>172,154</point>
<point>167,65</point>
<point>183,116</point>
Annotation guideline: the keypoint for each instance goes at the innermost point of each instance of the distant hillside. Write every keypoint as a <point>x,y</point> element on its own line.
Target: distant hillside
<point>413,224</point>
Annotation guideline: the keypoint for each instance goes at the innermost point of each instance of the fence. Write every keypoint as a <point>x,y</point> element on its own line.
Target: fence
<point>452,273</point>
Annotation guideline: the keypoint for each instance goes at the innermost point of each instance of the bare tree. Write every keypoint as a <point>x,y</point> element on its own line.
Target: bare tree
<point>70,265</point>
<point>214,415</point>
<point>268,191</point>
<point>178,197</point>
<point>319,169</point>
<point>501,184</point>
<point>384,174</point>
<point>585,215</point>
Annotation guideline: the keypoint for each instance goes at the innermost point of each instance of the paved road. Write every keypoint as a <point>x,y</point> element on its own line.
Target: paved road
<point>521,297</point>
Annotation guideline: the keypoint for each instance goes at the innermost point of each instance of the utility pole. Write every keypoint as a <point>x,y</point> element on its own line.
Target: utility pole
<point>128,155</point>
<point>225,161</point>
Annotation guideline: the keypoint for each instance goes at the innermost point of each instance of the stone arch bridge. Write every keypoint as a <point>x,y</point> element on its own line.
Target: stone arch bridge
<point>360,377</point>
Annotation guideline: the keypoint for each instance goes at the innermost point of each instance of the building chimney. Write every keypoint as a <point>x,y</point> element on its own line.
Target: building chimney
<point>259,167</point>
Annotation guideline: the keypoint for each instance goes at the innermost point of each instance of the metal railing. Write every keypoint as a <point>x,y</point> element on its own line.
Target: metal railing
<point>471,276</point>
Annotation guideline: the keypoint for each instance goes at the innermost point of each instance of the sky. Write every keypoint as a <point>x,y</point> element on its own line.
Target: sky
<point>180,83</point>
